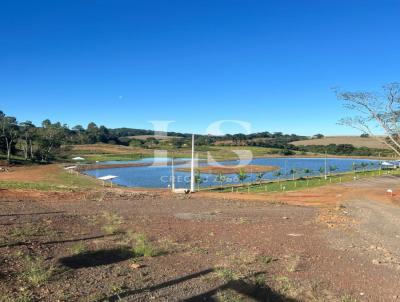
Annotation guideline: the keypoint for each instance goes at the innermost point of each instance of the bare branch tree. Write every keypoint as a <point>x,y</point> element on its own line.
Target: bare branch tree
<point>376,113</point>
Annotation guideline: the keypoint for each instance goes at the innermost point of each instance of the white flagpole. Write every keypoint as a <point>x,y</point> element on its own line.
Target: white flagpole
<point>173,175</point>
<point>192,167</point>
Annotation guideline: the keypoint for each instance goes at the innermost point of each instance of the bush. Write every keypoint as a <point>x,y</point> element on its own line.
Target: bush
<point>286,152</point>
<point>143,248</point>
<point>35,271</point>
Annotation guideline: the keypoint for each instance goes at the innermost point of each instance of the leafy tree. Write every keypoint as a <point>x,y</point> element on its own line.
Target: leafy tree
<point>259,177</point>
<point>221,178</point>
<point>286,152</point>
<point>375,111</point>
<point>177,142</point>
<point>135,143</point>
<point>50,139</point>
<point>242,176</point>
<point>28,135</point>
<point>104,135</point>
<point>9,132</point>
<point>278,175</point>
<point>80,133</point>
<point>364,165</point>
<point>198,179</point>
<point>307,172</point>
<point>332,168</point>
<point>293,173</point>
<point>93,133</point>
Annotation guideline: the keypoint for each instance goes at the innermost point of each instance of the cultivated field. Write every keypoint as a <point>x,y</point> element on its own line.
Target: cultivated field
<point>356,141</point>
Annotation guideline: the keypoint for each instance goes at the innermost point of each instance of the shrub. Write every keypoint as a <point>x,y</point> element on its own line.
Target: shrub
<point>143,248</point>
<point>35,271</point>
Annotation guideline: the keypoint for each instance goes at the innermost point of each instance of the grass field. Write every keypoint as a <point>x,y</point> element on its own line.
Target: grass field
<point>302,183</point>
<point>46,178</point>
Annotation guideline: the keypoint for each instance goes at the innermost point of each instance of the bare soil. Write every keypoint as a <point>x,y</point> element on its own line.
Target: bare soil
<point>356,141</point>
<point>334,243</point>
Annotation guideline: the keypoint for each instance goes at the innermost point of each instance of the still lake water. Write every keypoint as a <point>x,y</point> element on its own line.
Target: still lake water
<point>160,176</point>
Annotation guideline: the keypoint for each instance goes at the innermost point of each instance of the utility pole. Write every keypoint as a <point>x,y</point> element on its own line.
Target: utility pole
<point>192,168</point>
<point>325,165</point>
<point>173,175</point>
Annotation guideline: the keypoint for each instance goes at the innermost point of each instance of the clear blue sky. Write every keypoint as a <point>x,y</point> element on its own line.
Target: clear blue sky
<point>123,63</point>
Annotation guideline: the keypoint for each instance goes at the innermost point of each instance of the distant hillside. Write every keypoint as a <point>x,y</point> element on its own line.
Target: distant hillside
<point>356,141</point>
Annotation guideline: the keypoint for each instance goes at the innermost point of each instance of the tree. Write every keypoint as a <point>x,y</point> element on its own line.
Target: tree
<point>332,168</point>
<point>375,111</point>
<point>307,172</point>
<point>80,133</point>
<point>9,132</point>
<point>177,142</point>
<point>293,172</point>
<point>92,133</point>
<point>50,139</point>
<point>242,176</point>
<point>28,132</point>
<point>355,167</point>
<point>364,165</point>
<point>278,175</point>
<point>317,136</point>
<point>198,179</point>
<point>259,177</point>
<point>221,178</point>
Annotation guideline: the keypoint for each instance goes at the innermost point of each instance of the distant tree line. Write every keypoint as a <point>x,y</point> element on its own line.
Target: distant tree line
<point>343,149</point>
<point>48,140</point>
<point>44,142</point>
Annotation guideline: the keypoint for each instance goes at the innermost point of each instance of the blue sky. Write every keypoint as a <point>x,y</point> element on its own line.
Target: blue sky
<point>124,63</point>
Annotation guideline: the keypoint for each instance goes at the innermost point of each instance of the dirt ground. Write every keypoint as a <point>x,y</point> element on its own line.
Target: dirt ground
<point>334,243</point>
<point>356,141</point>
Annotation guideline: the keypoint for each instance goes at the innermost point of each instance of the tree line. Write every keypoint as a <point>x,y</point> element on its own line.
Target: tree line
<point>44,143</point>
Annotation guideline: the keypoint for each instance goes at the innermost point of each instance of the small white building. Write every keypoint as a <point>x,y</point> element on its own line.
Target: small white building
<point>388,165</point>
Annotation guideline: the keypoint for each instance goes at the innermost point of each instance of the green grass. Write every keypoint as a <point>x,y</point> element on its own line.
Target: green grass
<point>78,248</point>
<point>76,181</point>
<point>28,230</point>
<point>303,183</point>
<point>227,274</point>
<point>347,298</point>
<point>60,181</point>
<point>143,248</point>
<point>112,223</point>
<point>118,157</point>
<point>36,273</point>
<point>42,186</point>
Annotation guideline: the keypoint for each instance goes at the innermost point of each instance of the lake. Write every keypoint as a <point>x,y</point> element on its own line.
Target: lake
<point>160,176</point>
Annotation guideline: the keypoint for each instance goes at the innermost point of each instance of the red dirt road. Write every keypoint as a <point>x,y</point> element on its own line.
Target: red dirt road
<point>216,246</point>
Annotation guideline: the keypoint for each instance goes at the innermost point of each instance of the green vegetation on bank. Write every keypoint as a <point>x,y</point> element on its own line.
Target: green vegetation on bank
<point>301,183</point>
<point>57,180</point>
